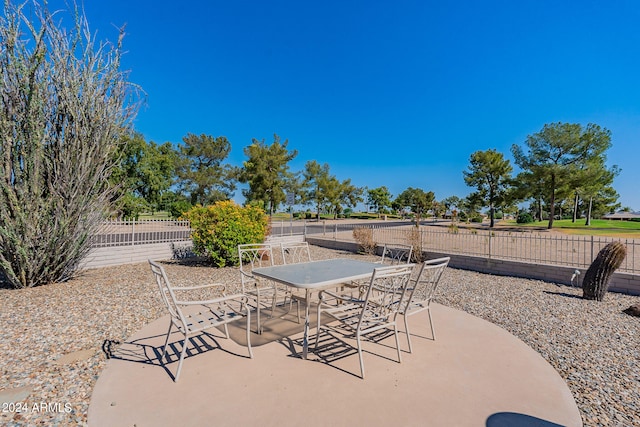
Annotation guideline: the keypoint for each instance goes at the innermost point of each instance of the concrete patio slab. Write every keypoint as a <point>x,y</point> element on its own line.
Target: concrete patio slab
<point>474,374</point>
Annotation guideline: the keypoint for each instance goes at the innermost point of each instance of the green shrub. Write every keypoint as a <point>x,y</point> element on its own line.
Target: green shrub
<point>179,208</point>
<point>477,218</point>
<point>217,230</point>
<point>524,217</point>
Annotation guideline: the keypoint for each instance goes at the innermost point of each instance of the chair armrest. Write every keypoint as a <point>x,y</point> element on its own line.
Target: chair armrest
<point>197,287</point>
<point>241,297</point>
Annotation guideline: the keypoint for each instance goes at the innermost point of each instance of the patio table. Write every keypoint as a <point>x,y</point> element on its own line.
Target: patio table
<point>317,275</point>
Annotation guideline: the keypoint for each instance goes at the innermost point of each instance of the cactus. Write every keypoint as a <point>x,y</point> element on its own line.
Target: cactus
<point>596,279</point>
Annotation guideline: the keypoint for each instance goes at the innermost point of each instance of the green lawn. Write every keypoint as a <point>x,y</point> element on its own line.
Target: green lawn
<point>598,227</point>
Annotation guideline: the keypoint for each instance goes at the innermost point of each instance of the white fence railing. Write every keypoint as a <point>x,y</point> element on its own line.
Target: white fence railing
<point>129,233</point>
<point>531,247</point>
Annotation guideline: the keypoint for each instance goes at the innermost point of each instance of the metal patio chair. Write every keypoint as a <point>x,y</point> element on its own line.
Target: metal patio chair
<point>421,291</point>
<point>377,310</point>
<point>396,254</point>
<point>194,316</point>
<point>294,253</point>
<point>263,292</point>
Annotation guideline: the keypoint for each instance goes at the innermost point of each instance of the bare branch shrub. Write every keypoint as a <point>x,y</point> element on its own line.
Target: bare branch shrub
<point>64,104</point>
<point>364,237</point>
<point>414,237</point>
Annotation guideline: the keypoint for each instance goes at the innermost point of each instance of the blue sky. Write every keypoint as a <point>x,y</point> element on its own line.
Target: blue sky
<point>387,93</point>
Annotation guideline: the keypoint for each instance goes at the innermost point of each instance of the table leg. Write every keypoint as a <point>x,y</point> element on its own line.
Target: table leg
<point>305,339</point>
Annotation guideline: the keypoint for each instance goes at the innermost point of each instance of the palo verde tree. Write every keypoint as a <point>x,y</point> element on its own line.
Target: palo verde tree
<point>266,170</point>
<point>556,152</point>
<point>64,106</point>
<point>490,173</point>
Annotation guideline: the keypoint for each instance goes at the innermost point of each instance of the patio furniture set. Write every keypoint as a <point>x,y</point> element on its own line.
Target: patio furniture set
<point>361,297</point>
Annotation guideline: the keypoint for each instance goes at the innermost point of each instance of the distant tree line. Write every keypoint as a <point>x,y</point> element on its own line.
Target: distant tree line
<point>563,173</point>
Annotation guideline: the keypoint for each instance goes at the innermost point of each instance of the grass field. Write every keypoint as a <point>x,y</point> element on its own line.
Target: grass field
<point>598,227</point>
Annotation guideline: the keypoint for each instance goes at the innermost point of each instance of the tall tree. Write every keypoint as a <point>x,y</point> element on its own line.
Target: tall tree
<point>379,199</point>
<point>490,173</point>
<point>556,151</point>
<point>65,104</point>
<point>417,200</point>
<point>453,204</point>
<point>316,180</point>
<point>266,170</point>
<point>201,171</point>
<point>146,170</point>
<point>341,194</point>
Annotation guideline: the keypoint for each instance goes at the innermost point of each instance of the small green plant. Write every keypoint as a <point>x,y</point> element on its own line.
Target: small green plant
<point>217,230</point>
<point>364,237</point>
<point>178,209</point>
<point>524,217</point>
<point>453,228</point>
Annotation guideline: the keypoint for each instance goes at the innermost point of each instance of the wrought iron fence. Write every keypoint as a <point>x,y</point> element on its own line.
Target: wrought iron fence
<point>126,233</point>
<point>526,246</point>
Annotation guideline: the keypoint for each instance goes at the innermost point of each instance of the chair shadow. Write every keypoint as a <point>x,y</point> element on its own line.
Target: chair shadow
<point>332,347</point>
<point>513,419</point>
<point>141,351</point>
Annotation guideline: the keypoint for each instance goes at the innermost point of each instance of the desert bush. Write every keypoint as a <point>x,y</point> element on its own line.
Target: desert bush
<point>414,237</point>
<point>217,230</point>
<point>364,237</point>
<point>64,107</point>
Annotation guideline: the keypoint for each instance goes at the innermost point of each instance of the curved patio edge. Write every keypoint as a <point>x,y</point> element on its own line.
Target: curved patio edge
<point>475,373</point>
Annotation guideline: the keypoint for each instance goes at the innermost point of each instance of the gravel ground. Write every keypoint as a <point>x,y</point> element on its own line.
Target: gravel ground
<point>51,347</point>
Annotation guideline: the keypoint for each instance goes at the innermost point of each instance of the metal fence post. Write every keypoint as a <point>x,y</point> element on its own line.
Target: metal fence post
<point>591,248</point>
<point>133,231</point>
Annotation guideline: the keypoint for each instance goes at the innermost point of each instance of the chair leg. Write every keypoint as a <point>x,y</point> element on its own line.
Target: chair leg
<point>406,328</point>
<point>182,353</point>
<point>226,331</point>
<point>166,341</point>
<point>395,330</point>
<point>360,354</point>
<point>318,325</point>
<point>433,332</point>
<point>248,333</point>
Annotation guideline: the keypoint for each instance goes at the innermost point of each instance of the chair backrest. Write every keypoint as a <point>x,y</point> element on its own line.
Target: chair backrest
<point>295,252</point>
<point>253,255</point>
<point>423,287</point>
<point>385,291</point>
<point>167,294</point>
<point>396,254</point>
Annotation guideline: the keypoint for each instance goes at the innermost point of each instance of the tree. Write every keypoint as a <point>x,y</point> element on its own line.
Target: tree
<point>201,171</point>
<point>555,152</point>
<point>339,194</point>
<point>316,180</point>
<point>64,106</point>
<point>146,170</point>
<point>490,173</point>
<point>593,180</point>
<point>379,199</point>
<point>417,200</point>
<point>267,172</point>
